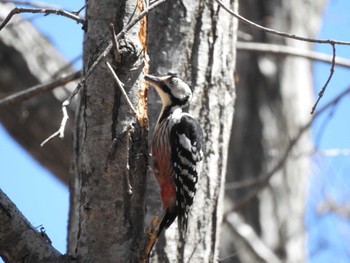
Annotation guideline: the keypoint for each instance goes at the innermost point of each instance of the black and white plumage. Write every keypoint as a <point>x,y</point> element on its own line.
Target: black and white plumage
<point>176,149</point>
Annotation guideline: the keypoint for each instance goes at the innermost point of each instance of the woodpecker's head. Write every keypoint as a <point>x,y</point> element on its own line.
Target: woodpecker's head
<point>172,90</point>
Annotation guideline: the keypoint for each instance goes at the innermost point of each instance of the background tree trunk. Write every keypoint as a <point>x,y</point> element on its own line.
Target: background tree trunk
<point>196,39</point>
<point>274,99</point>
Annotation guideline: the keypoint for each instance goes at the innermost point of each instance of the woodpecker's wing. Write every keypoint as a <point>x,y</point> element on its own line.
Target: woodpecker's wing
<point>186,138</point>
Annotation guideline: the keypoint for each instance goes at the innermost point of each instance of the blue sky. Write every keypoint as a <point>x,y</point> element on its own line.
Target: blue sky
<point>44,200</point>
<point>329,234</point>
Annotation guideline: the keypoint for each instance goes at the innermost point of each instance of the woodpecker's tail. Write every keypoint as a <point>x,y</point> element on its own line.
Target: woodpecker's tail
<point>167,219</point>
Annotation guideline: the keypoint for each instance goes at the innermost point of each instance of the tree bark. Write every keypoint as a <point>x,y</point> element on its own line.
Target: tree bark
<point>197,39</point>
<point>274,99</point>
<point>110,146</point>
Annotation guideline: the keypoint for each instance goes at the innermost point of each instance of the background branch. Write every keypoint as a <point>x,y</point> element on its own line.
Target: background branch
<point>280,33</point>
<point>248,240</point>
<point>323,90</point>
<point>262,181</point>
<point>20,241</point>
<point>283,50</point>
<point>19,10</point>
<point>38,89</point>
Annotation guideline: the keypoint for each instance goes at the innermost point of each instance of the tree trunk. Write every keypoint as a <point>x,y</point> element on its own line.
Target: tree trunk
<point>196,39</point>
<point>110,147</point>
<point>274,99</point>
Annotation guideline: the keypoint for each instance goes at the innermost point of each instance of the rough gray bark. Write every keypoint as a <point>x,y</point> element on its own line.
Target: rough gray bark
<point>198,42</point>
<point>26,59</point>
<point>106,221</point>
<point>274,98</point>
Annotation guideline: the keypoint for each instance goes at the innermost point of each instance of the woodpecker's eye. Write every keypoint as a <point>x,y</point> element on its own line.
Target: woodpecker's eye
<point>173,81</point>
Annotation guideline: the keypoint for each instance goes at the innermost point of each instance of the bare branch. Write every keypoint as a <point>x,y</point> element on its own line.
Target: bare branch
<point>249,240</point>
<point>38,89</point>
<point>283,50</point>
<point>262,182</point>
<point>280,33</point>
<point>59,12</point>
<point>80,9</point>
<point>121,86</point>
<point>320,94</point>
<point>292,36</point>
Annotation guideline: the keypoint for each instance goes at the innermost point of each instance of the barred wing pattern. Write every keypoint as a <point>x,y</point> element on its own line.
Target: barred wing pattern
<point>186,139</point>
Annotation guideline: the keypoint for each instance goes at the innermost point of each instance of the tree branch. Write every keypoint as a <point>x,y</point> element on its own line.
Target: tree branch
<point>262,181</point>
<point>320,94</point>
<point>38,89</point>
<point>292,36</point>
<point>249,240</point>
<point>121,87</point>
<point>280,33</point>
<point>18,10</point>
<point>19,240</point>
<point>291,51</point>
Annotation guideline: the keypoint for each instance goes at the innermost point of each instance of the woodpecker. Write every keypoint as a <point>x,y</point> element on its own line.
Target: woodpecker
<point>176,150</point>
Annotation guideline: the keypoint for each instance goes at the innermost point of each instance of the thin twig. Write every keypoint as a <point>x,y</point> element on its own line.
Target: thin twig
<point>113,36</point>
<point>263,181</point>
<point>121,86</point>
<point>320,94</point>
<point>81,9</point>
<point>283,50</point>
<point>38,89</point>
<point>60,131</point>
<point>18,10</point>
<point>279,33</point>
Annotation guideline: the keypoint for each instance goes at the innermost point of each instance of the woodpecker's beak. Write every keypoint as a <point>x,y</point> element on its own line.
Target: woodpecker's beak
<point>152,79</point>
<point>157,82</point>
